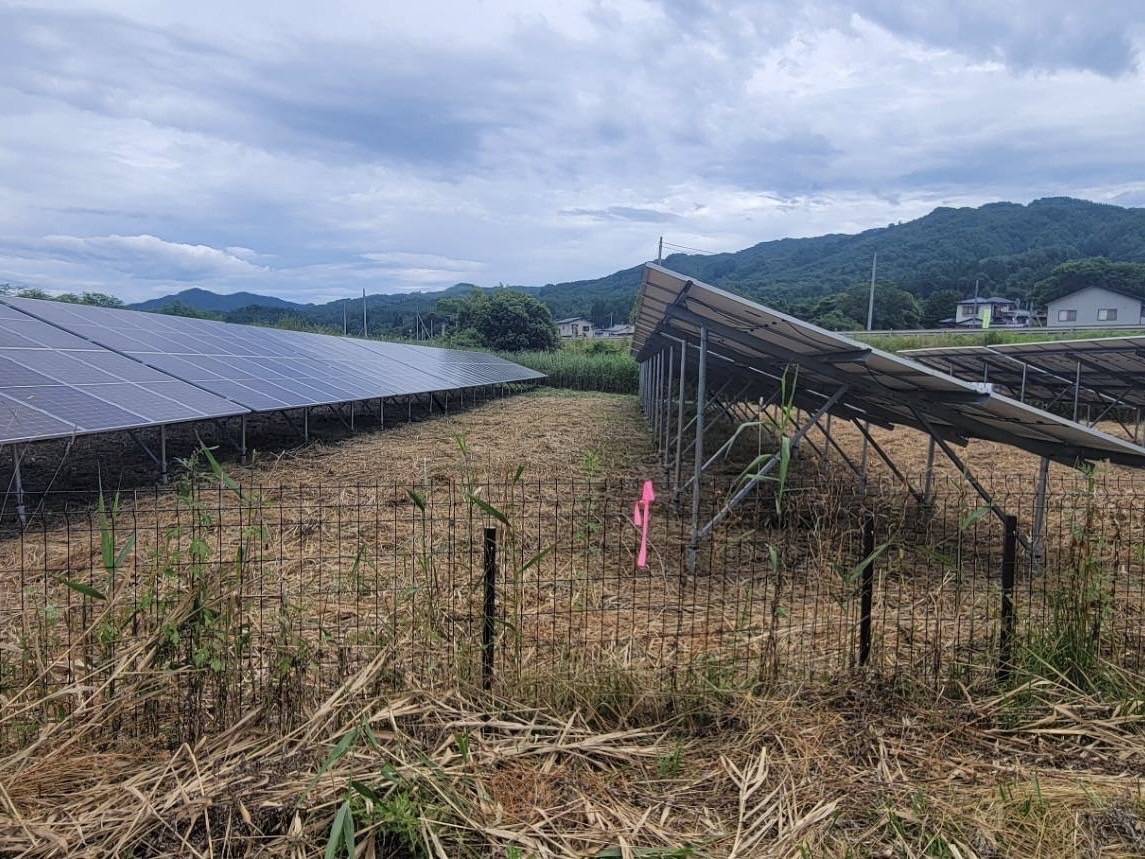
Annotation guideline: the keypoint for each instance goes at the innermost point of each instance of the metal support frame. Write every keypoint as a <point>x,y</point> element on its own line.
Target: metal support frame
<point>691,422</point>
<point>928,479</point>
<point>749,487</point>
<point>306,424</point>
<point>698,458</point>
<point>680,416</point>
<point>666,447</point>
<point>1076,390</point>
<point>162,453</point>
<point>867,587</point>
<point>18,484</point>
<point>657,405</point>
<point>242,438</point>
<point>831,441</point>
<point>1006,633</point>
<point>160,458</point>
<point>965,471</point>
<point>725,412</point>
<point>885,457</point>
<point>142,445</point>
<point>1038,538</point>
<point>723,450</point>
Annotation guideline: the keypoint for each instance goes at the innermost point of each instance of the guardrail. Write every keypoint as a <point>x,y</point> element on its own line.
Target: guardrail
<point>1056,329</point>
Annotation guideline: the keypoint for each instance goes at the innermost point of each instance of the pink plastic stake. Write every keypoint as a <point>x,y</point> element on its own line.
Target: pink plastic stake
<point>641,516</point>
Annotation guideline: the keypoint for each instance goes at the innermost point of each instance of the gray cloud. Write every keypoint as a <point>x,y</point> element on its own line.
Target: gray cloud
<point>313,150</point>
<point>624,213</point>
<point>1051,34</point>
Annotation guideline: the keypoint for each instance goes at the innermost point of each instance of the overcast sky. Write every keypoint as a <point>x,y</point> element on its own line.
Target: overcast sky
<point>312,149</point>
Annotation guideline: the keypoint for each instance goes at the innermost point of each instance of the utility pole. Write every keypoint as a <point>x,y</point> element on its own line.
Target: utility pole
<point>871,300</point>
<point>870,325</point>
<point>660,252</point>
<point>365,330</point>
<point>345,319</point>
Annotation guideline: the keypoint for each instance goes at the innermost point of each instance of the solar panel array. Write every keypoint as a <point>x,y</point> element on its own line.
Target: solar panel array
<point>755,345</point>
<point>1104,370</point>
<point>1015,378</point>
<point>53,383</point>
<point>69,369</point>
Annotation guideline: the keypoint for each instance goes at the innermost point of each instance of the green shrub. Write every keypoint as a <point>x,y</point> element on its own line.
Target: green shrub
<point>610,370</point>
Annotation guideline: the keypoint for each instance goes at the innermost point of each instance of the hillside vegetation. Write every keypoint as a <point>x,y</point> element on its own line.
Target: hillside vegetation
<point>1029,252</point>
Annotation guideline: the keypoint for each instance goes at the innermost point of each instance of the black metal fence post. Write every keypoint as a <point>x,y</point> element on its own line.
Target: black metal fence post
<point>868,587</point>
<point>1006,634</point>
<point>490,611</point>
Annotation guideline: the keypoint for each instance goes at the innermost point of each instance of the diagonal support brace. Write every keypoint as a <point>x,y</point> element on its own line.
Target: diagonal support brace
<point>749,487</point>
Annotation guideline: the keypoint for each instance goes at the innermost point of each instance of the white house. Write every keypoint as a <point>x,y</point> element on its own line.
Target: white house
<point>1095,307</point>
<point>574,326</point>
<point>971,310</point>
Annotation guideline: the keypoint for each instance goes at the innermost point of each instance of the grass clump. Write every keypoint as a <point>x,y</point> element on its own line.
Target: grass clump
<point>605,368</point>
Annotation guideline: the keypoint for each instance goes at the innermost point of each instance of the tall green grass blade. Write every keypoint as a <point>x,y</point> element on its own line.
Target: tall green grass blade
<point>86,590</point>
<point>490,509</point>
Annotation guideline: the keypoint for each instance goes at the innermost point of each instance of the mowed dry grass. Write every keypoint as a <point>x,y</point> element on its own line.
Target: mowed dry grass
<point>854,767</point>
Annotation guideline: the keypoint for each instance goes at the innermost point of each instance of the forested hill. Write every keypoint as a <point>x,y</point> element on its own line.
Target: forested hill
<point>1006,246</point>
<point>924,266</point>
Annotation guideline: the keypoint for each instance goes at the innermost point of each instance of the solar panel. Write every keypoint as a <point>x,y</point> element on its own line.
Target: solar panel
<point>54,384</point>
<point>1113,366</point>
<point>470,368</point>
<point>1016,378</point>
<point>1106,371</point>
<point>267,369</point>
<point>868,383</point>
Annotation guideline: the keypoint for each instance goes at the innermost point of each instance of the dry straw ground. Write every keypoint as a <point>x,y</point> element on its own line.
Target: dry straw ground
<point>854,767</point>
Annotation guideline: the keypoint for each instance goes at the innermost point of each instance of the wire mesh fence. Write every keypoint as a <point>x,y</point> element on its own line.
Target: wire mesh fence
<point>208,602</point>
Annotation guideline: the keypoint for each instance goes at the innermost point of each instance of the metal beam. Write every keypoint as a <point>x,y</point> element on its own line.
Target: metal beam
<point>698,460</point>
<point>18,484</point>
<point>889,462</point>
<point>831,441</point>
<point>964,469</point>
<point>142,445</point>
<point>1039,537</point>
<point>162,453</point>
<point>749,487</point>
<point>721,453</point>
<point>815,363</point>
<point>680,415</point>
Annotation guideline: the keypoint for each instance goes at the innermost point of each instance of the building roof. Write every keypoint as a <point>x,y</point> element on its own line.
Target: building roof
<point>993,300</point>
<point>1120,292</point>
<point>572,319</point>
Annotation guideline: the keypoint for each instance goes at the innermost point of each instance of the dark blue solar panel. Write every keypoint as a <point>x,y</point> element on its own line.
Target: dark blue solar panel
<point>260,369</point>
<point>54,384</point>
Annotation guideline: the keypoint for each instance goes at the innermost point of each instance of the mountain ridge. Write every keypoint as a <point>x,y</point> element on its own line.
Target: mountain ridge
<point>1006,247</point>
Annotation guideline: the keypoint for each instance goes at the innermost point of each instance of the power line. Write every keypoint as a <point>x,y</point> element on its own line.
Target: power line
<point>687,248</point>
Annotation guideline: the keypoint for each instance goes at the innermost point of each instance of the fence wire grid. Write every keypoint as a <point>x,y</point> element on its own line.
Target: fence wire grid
<point>212,599</point>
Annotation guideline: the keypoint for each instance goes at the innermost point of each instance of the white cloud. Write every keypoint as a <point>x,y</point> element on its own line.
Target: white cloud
<point>308,150</point>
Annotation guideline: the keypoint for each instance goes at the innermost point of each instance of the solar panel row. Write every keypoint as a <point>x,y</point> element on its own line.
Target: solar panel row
<point>1104,370</point>
<point>72,369</point>
<point>761,343</point>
